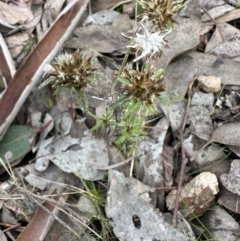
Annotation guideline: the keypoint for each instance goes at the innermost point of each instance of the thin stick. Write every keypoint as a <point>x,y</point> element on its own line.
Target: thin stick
<point>118,164</point>
<point>7,56</point>
<point>132,164</point>
<point>184,159</point>
<point>220,32</point>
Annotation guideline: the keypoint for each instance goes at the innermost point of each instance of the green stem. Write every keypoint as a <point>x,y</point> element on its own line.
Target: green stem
<point>121,69</point>
<point>91,114</point>
<point>123,63</point>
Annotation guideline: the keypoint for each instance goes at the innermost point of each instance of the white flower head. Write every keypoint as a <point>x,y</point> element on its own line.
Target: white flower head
<point>147,43</point>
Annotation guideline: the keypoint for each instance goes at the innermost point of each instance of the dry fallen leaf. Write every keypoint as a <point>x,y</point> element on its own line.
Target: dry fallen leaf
<point>103,17</point>
<point>103,39</point>
<point>234,14</point>
<point>200,122</point>
<point>17,42</point>
<point>226,31</point>
<point>231,180</point>
<point>55,7</point>
<point>200,98</point>
<point>229,48</point>
<point>82,156</point>
<point>217,12</point>
<point>221,225</point>
<point>184,36</point>
<point>211,4</point>
<point>16,13</point>
<point>229,200</point>
<point>204,157</point>
<point>174,111</point>
<point>178,75</point>
<point>5,58</point>
<point>208,64</point>
<point>150,153</point>
<point>228,134</point>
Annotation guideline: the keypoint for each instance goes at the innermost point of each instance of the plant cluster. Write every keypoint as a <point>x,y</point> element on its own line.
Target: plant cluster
<point>72,71</point>
<point>141,87</point>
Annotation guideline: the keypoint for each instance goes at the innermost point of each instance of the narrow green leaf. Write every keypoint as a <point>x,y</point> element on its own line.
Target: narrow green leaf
<point>119,102</point>
<point>164,101</point>
<point>58,90</point>
<point>159,72</point>
<point>46,82</point>
<point>151,109</point>
<point>99,124</point>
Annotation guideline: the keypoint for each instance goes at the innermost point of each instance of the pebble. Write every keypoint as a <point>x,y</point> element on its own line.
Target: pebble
<point>210,84</point>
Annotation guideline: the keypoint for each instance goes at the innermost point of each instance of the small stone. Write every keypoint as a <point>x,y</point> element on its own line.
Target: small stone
<point>210,84</point>
<point>196,196</point>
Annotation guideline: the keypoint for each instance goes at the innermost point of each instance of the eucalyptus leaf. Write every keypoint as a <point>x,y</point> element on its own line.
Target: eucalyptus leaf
<point>16,143</point>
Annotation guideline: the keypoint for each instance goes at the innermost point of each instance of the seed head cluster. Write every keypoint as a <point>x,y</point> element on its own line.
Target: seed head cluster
<point>142,85</point>
<point>72,71</point>
<point>160,12</point>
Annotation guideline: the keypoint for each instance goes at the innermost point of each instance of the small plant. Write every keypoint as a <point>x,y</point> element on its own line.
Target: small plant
<point>94,194</point>
<point>141,88</point>
<point>71,71</point>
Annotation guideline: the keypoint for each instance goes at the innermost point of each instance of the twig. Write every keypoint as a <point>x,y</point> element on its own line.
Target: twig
<point>33,197</point>
<point>184,159</point>
<point>235,108</point>
<point>11,227</point>
<point>7,56</point>
<point>220,32</point>
<point>118,164</point>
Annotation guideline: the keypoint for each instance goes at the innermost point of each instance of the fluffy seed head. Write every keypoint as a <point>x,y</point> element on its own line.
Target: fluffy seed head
<point>148,44</point>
